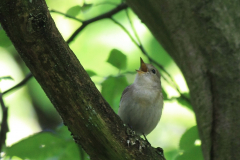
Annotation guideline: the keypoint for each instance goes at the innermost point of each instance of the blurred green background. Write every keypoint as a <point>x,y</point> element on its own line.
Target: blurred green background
<point>36,130</point>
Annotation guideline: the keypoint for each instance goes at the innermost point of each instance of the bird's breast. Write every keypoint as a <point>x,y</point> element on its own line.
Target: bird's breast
<point>148,97</point>
<point>141,108</point>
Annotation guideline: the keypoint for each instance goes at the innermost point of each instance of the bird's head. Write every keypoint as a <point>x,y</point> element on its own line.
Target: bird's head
<point>147,75</point>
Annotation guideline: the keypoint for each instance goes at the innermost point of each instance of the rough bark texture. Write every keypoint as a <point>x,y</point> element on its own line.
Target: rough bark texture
<point>90,119</point>
<point>203,38</point>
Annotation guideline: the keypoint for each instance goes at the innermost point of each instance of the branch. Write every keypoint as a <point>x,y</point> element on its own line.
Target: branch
<point>108,14</point>
<point>24,81</point>
<point>106,3</point>
<point>89,118</point>
<point>4,125</point>
<point>66,15</point>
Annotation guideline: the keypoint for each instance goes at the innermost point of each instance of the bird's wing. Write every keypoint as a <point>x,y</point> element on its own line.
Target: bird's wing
<point>125,90</point>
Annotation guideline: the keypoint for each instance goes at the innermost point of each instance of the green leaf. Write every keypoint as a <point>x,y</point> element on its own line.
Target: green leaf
<point>71,151</point>
<point>171,154</point>
<point>194,153</point>
<point>74,11</point>
<point>6,78</point>
<point>184,102</point>
<point>186,94</point>
<point>117,59</point>
<point>63,132</point>
<point>44,145</point>
<point>90,73</point>
<point>112,89</point>
<point>165,96</point>
<point>188,138</point>
<point>4,40</point>
<point>86,7</point>
<point>190,150</point>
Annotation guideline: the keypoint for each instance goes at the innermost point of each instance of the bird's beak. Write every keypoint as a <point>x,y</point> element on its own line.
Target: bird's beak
<point>143,67</point>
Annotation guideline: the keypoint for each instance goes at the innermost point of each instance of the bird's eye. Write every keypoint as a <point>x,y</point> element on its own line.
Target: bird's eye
<point>153,71</point>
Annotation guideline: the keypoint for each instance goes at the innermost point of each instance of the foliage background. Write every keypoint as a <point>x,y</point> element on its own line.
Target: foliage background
<point>36,130</point>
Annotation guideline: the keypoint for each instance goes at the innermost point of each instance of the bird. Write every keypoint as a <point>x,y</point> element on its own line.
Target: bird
<point>141,103</point>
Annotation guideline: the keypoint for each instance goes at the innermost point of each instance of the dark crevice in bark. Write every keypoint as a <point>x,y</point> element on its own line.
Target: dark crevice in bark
<point>210,77</point>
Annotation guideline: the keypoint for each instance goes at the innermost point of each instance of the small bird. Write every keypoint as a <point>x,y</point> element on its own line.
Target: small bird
<point>141,103</point>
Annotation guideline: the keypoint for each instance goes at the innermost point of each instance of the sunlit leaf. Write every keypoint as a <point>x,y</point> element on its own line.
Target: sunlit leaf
<point>112,89</point>
<point>44,145</point>
<point>117,59</point>
<point>91,73</point>
<point>195,153</point>
<point>6,78</point>
<point>188,138</point>
<point>4,40</point>
<point>86,7</point>
<point>74,11</point>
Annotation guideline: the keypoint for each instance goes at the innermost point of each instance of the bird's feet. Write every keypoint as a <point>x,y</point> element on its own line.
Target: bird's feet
<point>133,138</point>
<point>146,139</point>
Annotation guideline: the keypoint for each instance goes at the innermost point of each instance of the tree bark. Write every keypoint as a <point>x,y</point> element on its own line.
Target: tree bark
<point>203,38</point>
<point>88,116</point>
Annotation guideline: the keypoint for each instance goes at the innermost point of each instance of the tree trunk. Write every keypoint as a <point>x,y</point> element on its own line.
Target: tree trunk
<point>88,116</point>
<point>203,38</point>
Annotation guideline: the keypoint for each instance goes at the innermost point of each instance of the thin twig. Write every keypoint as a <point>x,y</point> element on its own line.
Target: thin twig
<point>140,46</point>
<point>132,26</point>
<point>125,30</point>
<point>66,15</point>
<point>108,14</point>
<point>104,3</point>
<point>76,33</point>
<point>4,125</point>
<point>25,80</point>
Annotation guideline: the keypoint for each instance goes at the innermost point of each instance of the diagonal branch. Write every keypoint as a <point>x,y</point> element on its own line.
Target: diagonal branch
<point>24,81</point>
<point>90,119</point>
